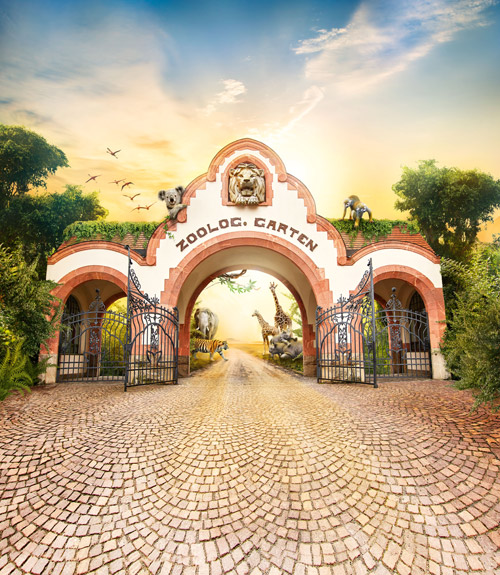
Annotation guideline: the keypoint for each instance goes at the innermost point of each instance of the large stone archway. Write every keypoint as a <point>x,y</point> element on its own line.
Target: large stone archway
<point>278,232</point>
<point>236,251</point>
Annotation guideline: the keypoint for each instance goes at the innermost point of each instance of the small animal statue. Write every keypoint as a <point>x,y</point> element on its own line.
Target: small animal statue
<point>206,322</point>
<point>281,320</point>
<point>358,208</point>
<point>173,198</point>
<point>210,346</point>
<point>285,345</point>
<point>267,330</point>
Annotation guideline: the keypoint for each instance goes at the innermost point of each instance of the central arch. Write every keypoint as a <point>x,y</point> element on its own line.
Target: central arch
<point>257,251</point>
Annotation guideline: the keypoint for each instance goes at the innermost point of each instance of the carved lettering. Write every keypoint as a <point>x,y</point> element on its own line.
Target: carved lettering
<point>271,225</point>
<point>237,222</point>
<point>182,244</point>
<point>311,245</point>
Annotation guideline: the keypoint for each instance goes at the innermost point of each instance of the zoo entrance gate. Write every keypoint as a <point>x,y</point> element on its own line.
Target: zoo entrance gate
<point>355,342</point>
<point>359,341</point>
<point>139,347</point>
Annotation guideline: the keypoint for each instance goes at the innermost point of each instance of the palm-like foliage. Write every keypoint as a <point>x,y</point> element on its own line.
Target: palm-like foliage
<point>13,373</point>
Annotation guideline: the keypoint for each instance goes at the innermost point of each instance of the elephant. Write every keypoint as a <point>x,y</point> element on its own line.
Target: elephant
<point>206,322</point>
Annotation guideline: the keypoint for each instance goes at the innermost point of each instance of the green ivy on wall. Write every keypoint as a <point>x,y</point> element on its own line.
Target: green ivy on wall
<point>84,231</point>
<point>375,230</point>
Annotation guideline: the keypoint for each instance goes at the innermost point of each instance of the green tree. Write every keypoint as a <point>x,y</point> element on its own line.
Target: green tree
<point>448,204</point>
<point>38,222</point>
<point>472,341</point>
<point>25,303</point>
<point>26,161</point>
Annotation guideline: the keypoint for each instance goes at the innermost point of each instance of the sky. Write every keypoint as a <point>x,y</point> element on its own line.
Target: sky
<point>345,92</point>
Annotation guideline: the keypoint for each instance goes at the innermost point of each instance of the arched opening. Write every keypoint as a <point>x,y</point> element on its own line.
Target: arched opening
<point>297,273</point>
<point>403,345</point>
<point>246,314</point>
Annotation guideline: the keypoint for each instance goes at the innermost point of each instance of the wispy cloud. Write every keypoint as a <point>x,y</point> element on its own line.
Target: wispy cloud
<point>384,37</point>
<point>229,95</point>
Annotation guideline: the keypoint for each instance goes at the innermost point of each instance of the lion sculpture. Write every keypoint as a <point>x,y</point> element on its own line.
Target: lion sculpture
<point>247,185</point>
<point>358,208</point>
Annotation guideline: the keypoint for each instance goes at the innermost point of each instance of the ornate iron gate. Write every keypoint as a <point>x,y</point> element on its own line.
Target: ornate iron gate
<point>345,348</point>
<point>91,344</point>
<point>152,338</point>
<point>358,343</point>
<point>137,348</point>
<point>402,341</point>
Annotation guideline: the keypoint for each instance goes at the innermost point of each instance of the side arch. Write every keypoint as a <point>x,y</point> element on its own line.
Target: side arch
<point>432,296</point>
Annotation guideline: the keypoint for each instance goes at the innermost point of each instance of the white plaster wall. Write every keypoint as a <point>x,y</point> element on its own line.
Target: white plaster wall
<point>350,276</point>
<point>94,257</point>
<point>287,208</point>
<point>206,208</point>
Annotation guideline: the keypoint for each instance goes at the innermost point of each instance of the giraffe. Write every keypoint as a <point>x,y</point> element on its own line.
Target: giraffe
<point>267,330</point>
<point>281,320</point>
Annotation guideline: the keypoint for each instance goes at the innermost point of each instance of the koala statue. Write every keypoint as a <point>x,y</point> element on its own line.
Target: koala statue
<point>173,198</point>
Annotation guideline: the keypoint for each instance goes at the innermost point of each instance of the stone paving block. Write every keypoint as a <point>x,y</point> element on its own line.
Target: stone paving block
<point>247,469</point>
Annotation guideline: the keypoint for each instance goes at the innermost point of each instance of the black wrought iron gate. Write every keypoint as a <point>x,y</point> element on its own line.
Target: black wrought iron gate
<point>358,341</point>
<point>345,348</point>
<point>137,347</point>
<point>402,341</point>
<point>152,338</point>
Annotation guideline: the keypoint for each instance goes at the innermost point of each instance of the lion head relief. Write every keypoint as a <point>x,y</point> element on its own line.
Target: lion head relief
<point>247,185</point>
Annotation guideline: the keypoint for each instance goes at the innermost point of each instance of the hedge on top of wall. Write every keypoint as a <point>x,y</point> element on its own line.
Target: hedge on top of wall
<point>85,231</point>
<point>375,230</point>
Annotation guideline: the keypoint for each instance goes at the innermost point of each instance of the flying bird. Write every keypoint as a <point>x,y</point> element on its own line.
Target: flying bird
<point>92,178</point>
<point>127,184</point>
<point>131,197</point>
<point>113,153</point>
<point>116,181</point>
<point>144,207</point>
<point>147,207</point>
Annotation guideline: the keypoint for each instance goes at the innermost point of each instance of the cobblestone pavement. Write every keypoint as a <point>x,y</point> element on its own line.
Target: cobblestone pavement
<point>244,468</point>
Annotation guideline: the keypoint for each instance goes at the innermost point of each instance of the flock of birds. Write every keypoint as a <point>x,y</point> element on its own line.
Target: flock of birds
<point>118,182</point>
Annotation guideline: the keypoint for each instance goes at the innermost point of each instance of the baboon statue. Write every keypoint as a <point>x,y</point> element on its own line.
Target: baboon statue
<point>358,208</point>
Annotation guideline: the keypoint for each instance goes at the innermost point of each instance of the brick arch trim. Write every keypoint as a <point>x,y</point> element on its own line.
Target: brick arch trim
<point>87,273</point>
<point>307,329</point>
<point>393,245</point>
<point>93,245</point>
<point>246,144</point>
<point>432,296</point>
<point>75,278</point>
<point>177,276</point>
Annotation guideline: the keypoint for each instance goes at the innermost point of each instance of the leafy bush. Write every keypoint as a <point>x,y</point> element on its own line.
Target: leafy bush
<point>13,373</point>
<point>26,301</point>
<point>472,341</point>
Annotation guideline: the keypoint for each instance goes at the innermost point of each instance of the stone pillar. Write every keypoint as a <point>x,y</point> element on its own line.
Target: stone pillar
<point>309,363</point>
<point>439,369</point>
<point>51,372</point>
<point>183,365</point>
